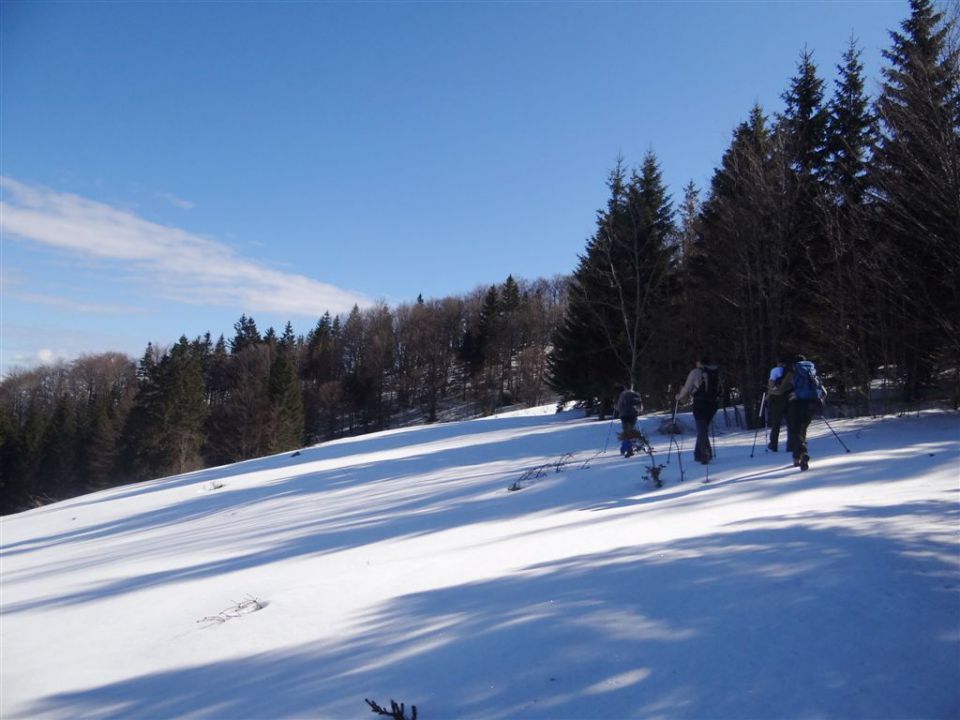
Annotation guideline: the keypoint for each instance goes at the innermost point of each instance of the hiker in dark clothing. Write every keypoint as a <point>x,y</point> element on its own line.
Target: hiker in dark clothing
<point>776,402</point>
<point>703,384</point>
<point>805,395</point>
<point>629,407</point>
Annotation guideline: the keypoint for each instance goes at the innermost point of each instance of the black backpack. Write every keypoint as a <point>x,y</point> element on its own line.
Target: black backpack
<point>710,385</point>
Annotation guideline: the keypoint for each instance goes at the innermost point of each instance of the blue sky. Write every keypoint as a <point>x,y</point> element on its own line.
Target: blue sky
<point>167,167</point>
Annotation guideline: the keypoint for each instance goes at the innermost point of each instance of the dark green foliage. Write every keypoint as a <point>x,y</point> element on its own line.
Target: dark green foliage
<point>849,280</point>
<point>610,334</point>
<point>59,454</point>
<point>286,403</point>
<point>738,269</point>
<point>851,132</point>
<point>165,430</point>
<point>917,181</point>
<point>802,138</point>
<point>246,335</point>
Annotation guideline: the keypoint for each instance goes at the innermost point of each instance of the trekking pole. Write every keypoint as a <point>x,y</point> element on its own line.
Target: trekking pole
<point>713,431</point>
<point>760,419</point>
<point>679,456</point>
<point>607,441</point>
<point>672,430</point>
<point>824,418</point>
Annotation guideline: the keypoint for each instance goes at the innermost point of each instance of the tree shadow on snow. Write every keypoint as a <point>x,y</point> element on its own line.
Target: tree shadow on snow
<point>810,620</point>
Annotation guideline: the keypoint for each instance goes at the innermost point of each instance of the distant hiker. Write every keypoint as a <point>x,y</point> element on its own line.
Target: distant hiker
<point>776,401</point>
<point>703,384</point>
<point>805,395</point>
<point>629,407</point>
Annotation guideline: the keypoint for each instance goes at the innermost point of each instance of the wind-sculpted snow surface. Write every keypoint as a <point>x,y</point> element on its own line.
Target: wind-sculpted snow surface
<point>401,566</point>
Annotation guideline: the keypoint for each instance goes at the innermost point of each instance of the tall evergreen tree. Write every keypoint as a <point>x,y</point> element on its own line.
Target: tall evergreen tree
<point>184,408</point>
<point>804,120</point>
<point>59,457</point>
<point>802,131</point>
<point>286,429</point>
<point>917,183</point>
<point>849,282</point>
<point>619,288</point>
<point>850,132</point>
<point>581,365</point>
<point>738,271</point>
<point>246,335</point>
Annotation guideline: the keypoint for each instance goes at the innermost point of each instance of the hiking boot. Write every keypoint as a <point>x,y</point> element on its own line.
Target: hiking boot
<point>772,447</point>
<point>796,462</point>
<point>804,461</point>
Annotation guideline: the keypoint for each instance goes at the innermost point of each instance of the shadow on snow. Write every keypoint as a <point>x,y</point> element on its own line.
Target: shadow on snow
<point>741,624</point>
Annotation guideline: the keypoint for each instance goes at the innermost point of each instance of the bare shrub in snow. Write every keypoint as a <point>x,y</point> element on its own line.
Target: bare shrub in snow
<point>246,606</point>
<point>397,712</point>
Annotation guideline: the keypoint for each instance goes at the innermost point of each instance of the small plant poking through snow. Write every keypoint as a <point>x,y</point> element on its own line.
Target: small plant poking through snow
<point>652,473</point>
<point>560,464</point>
<point>246,606</point>
<point>528,478</point>
<point>397,712</point>
<point>533,474</point>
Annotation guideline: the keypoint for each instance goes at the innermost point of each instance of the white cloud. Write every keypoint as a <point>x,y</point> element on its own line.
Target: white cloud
<point>14,287</point>
<point>177,202</point>
<point>179,264</point>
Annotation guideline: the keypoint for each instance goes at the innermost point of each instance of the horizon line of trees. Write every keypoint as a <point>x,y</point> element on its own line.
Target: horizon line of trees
<point>106,419</point>
<point>831,228</point>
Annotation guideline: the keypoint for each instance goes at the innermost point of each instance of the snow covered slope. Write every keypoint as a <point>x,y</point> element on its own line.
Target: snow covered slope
<point>399,566</point>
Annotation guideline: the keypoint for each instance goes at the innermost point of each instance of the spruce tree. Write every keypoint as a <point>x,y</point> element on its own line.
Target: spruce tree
<point>738,270</point>
<point>618,289</point>
<point>582,365</point>
<point>286,401</point>
<point>850,132</point>
<point>917,181</point>
<point>183,408</point>
<point>802,130</point>
<point>246,335</point>
<point>848,282</point>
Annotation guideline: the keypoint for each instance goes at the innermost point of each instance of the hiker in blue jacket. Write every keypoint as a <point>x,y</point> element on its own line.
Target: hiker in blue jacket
<point>805,395</point>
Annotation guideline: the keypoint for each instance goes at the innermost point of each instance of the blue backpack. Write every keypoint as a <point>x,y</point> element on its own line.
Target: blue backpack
<point>806,384</point>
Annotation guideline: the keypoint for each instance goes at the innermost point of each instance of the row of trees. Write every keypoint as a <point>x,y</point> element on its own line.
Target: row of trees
<point>106,419</point>
<point>831,229</point>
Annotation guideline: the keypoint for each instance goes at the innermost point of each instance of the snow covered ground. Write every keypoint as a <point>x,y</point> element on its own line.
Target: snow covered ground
<point>399,566</point>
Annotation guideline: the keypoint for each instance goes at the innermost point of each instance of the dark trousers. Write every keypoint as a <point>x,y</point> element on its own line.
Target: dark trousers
<point>776,407</point>
<point>628,424</point>
<point>799,414</point>
<point>703,412</point>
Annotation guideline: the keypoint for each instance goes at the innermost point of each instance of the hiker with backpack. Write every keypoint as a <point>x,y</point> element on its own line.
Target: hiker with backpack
<point>703,385</point>
<point>629,407</point>
<point>805,395</point>
<point>776,402</point>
